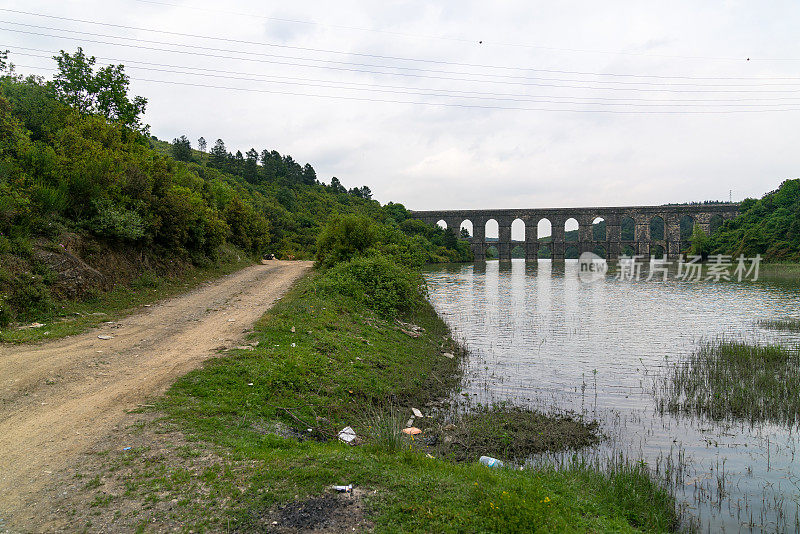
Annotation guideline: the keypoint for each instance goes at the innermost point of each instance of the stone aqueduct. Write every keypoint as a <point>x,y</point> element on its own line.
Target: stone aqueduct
<point>704,215</point>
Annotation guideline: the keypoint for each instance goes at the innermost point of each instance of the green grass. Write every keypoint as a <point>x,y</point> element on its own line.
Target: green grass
<point>788,324</point>
<point>340,366</point>
<point>780,272</point>
<point>511,432</point>
<point>733,380</point>
<point>74,317</point>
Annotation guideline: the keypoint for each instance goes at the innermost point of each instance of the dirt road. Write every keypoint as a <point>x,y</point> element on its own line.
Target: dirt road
<point>58,398</point>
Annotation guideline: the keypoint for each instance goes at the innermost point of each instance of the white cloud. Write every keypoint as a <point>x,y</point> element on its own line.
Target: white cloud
<point>430,157</point>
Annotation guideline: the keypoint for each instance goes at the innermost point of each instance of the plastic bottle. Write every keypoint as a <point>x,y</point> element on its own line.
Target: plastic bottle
<point>488,461</point>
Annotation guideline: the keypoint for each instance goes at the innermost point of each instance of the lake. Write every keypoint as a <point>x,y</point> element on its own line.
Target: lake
<point>538,335</point>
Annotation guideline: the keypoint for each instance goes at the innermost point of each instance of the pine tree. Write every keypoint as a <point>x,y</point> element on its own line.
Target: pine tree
<point>309,175</point>
<point>219,154</point>
<point>250,172</point>
<point>182,149</point>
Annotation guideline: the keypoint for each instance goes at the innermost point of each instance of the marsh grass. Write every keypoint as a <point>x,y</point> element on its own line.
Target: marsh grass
<point>789,324</point>
<point>384,428</point>
<point>510,432</point>
<point>734,380</point>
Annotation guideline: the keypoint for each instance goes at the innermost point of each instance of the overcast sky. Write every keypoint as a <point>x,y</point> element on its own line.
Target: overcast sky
<point>403,96</point>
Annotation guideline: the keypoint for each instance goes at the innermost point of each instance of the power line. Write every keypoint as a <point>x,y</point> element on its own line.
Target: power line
<point>349,53</point>
<point>484,41</point>
<point>403,74</point>
<point>454,105</point>
<point>213,73</point>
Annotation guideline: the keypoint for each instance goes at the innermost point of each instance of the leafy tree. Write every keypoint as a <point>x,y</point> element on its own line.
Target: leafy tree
<point>104,93</point>
<point>343,238</point>
<point>4,63</point>
<point>201,144</point>
<point>700,244</point>
<point>397,212</point>
<point>219,154</point>
<point>366,192</point>
<point>182,149</point>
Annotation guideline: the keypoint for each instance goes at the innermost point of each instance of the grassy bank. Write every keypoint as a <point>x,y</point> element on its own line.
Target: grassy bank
<point>258,450</point>
<point>76,316</point>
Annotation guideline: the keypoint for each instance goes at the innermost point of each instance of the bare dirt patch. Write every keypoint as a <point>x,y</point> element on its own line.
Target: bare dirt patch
<point>61,399</point>
<point>148,477</point>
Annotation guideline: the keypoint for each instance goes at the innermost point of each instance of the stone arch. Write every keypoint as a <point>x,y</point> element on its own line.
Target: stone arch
<point>599,231</point>
<point>517,230</point>
<point>571,230</point>
<point>492,230</point>
<point>715,223</point>
<point>544,253</point>
<point>571,253</point>
<point>492,252</point>
<point>441,223</point>
<point>657,228</point>
<point>544,229</point>
<point>627,250</point>
<point>518,252</point>
<point>600,250</point>
<point>627,229</point>
<point>467,225</point>
<point>657,251</point>
<point>686,224</point>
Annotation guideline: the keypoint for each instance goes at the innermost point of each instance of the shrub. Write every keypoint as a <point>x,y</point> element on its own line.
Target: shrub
<point>5,312</point>
<point>114,221</point>
<point>381,284</point>
<point>343,238</point>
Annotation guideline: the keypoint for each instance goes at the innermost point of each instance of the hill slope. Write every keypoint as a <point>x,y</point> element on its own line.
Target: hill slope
<point>89,201</point>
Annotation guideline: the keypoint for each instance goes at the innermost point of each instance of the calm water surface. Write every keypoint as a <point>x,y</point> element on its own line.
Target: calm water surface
<point>539,336</point>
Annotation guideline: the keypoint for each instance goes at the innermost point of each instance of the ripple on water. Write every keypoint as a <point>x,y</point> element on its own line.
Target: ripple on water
<point>538,335</point>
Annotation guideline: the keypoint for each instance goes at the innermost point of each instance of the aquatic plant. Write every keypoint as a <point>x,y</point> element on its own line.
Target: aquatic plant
<point>727,379</point>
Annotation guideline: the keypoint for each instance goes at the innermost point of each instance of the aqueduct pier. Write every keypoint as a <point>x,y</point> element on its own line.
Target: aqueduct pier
<point>649,230</point>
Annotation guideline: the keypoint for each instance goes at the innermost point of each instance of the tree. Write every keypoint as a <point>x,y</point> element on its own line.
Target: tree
<point>201,144</point>
<point>309,175</point>
<point>182,149</point>
<point>238,163</point>
<point>219,154</point>
<point>337,186</point>
<point>250,172</point>
<point>4,63</point>
<point>104,93</point>
<point>465,234</point>
<point>366,192</point>
<point>343,237</point>
<point>700,243</point>
<point>294,172</point>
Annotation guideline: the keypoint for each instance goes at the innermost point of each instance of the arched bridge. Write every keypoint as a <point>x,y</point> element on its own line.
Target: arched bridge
<point>611,232</point>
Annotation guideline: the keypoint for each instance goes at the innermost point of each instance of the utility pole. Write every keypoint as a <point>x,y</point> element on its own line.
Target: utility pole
<point>730,195</point>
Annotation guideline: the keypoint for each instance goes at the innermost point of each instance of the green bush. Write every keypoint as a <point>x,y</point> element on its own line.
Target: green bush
<point>116,222</point>
<point>30,297</point>
<point>383,285</point>
<point>343,238</point>
<point>5,312</point>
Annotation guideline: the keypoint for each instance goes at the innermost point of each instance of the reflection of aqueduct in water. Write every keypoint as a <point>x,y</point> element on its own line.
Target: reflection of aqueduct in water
<point>645,230</point>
